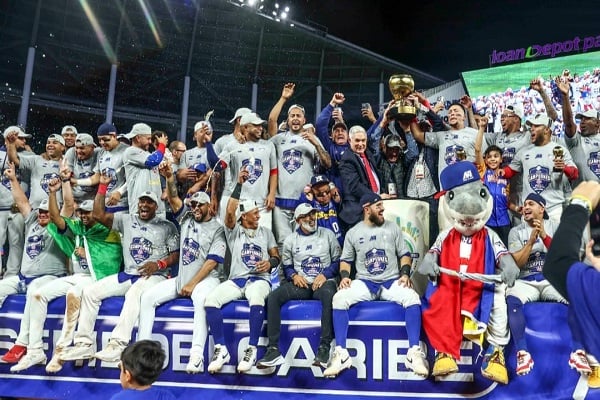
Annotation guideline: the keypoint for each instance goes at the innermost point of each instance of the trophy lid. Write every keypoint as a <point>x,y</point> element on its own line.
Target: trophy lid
<point>401,85</point>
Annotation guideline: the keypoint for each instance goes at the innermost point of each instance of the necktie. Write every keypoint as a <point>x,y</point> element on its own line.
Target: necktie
<point>370,173</point>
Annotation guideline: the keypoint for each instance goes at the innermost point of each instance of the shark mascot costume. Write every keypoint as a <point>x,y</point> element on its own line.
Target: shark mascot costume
<point>465,296</point>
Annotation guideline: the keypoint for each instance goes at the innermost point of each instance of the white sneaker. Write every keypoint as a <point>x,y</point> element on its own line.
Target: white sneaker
<point>195,365</point>
<point>55,363</point>
<point>112,352</point>
<point>339,361</point>
<point>248,360</point>
<point>220,357</point>
<point>29,360</point>
<point>80,351</point>
<point>416,361</point>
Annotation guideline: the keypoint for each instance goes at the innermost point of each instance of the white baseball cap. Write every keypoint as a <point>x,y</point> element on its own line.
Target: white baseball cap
<point>251,118</point>
<point>139,129</point>
<point>240,112</point>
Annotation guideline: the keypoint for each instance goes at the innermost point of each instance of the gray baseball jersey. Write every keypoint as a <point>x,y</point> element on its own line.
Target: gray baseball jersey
<point>145,241</point>
<point>141,178</point>
<point>311,254</point>
<point>449,142</point>
<point>192,156</point>
<point>41,254</point>
<point>585,151</point>
<point>112,164</point>
<point>376,250</point>
<point>247,248</point>
<point>200,241</point>
<point>42,172</point>
<point>519,236</point>
<point>82,169</point>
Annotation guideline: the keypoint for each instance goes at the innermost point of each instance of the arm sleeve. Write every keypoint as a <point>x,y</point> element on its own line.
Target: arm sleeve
<point>156,157</point>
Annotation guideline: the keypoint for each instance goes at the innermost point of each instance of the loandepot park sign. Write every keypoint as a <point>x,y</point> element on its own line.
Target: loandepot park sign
<point>576,44</point>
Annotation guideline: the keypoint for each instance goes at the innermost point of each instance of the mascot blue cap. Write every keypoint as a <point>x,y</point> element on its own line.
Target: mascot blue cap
<point>457,174</point>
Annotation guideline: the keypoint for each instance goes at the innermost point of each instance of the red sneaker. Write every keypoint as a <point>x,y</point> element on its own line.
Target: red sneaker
<point>14,354</point>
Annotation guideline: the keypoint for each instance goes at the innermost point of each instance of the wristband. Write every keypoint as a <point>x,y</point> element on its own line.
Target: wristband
<point>237,191</point>
<point>405,270</point>
<point>345,274</point>
<point>274,261</point>
<point>66,180</point>
<point>581,201</point>
<point>162,264</point>
<point>102,189</point>
<point>84,182</point>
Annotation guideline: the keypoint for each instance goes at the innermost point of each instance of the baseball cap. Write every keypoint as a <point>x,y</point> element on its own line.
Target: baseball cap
<point>338,125</point>
<point>200,124</point>
<point>200,197</point>
<point>251,118</point>
<point>106,129</point>
<point>56,137</point>
<point>43,205</point>
<point>516,109</point>
<point>85,139</point>
<point>369,199</point>
<point>139,129</point>
<point>588,114</point>
<point>199,167</point>
<point>240,112</point>
<point>151,195</point>
<point>298,106</point>
<point>457,174</point>
<point>86,205</point>
<point>244,206</point>
<point>539,119</point>
<point>540,200</point>
<point>392,141</point>
<point>303,209</point>
<point>318,180</point>
<point>67,128</point>
<point>18,129</point>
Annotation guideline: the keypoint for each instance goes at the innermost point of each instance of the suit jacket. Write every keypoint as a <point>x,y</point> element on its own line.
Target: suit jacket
<point>356,184</point>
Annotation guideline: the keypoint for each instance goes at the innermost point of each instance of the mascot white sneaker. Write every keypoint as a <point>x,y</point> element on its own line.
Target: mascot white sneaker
<point>469,268</point>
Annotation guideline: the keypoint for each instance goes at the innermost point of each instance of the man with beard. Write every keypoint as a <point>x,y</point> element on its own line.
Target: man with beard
<point>150,246</point>
<point>94,252</point>
<point>42,261</point>
<point>383,266</point>
<point>81,160</point>
<point>141,167</point>
<point>310,260</point>
<point>254,254</point>
<point>543,166</point>
<point>202,250</point>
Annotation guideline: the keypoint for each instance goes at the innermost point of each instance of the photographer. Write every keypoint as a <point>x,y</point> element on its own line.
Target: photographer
<point>578,281</point>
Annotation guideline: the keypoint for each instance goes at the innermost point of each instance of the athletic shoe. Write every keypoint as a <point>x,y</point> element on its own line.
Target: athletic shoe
<point>339,361</point>
<point>272,358</point>
<point>493,366</point>
<point>415,361</point>
<point>444,365</point>
<point>195,365</point>
<point>55,363</point>
<point>248,360</point>
<point>594,379</point>
<point>112,352</point>
<point>14,354</point>
<point>80,351</point>
<point>322,356</point>
<point>220,357</point>
<point>524,362</point>
<point>579,361</point>
<point>29,360</point>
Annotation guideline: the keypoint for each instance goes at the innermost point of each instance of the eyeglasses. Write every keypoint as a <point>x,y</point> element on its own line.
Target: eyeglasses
<point>323,193</point>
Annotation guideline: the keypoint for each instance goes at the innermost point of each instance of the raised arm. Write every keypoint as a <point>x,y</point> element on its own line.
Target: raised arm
<point>53,187</point>
<point>234,200</point>
<point>99,211</point>
<point>172,196</point>
<point>567,111</point>
<point>536,84</point>
<point>286,93</point>
<point>11,148</point>
<point>18,194</point>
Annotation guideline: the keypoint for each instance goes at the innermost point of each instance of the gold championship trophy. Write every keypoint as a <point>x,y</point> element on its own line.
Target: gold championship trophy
<point>402,85</point>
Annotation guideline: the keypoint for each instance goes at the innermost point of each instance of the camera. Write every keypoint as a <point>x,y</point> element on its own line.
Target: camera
<point>365,106</point>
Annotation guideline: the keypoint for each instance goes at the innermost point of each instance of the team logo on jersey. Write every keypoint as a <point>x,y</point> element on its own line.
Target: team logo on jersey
<point>539,178</point>
<point>140,249</point>
<point>112,174</point>
<point>88,189</point>
<point>34,246</point>
<point>251,254</point>
<point>83,263</point>
<point>292,160</point>
<point>450,154</point>
<point>594,163</point>
<point>6,182</point>
<point>45,181</point>
<point>191,250</point>
<point>254,169</point>
<point>535,262</point>
<point>508,154</point>
<point>312,266</point>
<point>376,261</point>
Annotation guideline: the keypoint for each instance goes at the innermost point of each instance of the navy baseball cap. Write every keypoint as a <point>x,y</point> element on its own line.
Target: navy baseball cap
<point>369,199</point>
<point>199,167</point>
<point>457,174</point>
<point>106,129</point>
<point>318,180</point>
<point>540,200</point>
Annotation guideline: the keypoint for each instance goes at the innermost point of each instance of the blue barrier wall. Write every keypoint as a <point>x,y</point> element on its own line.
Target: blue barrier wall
<point>377,342</point>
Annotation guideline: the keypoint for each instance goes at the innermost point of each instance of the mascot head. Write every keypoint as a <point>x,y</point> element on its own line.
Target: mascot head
<point>467,202</point>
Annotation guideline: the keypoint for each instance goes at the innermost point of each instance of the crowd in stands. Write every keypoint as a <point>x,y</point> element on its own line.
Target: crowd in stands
<point>272,212</point>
